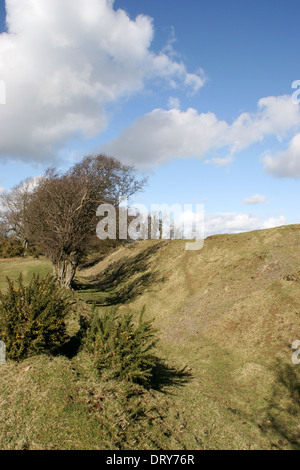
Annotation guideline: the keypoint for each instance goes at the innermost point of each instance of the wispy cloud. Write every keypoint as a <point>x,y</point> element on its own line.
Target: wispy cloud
<point>255,199</point>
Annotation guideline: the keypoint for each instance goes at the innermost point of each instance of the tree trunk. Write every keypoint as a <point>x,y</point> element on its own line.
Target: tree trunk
<point>55,273</point>
<point>25,246</point>
<point>69,274</point>
<point>64,272</point>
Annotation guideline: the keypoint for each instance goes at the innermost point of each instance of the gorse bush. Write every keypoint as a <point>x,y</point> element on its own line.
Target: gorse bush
<point>10,247</point>
<point>32,317</point>
<point>131,418</point>
<point>121,348</point>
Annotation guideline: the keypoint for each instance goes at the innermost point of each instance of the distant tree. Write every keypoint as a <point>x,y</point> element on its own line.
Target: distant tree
<point>60,213</point>
<point>14,204</point>
<point>3,230</point>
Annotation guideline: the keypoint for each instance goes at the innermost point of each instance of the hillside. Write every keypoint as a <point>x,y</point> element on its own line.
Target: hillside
<point>241,291</point>
<point>227,316</point>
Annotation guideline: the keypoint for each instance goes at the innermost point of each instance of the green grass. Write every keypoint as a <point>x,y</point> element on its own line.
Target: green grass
<point>226,315</point>
<point>12,268</point>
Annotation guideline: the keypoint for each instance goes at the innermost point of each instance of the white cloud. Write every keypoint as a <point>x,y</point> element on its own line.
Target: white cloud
<point>30,184</point>
<point>276,115</point>
<point>162,135</point>
<point>273,222</point>
<point>64,61</point>
<point>286,163</point>
<point>255,199</point>
<point>174,103</point>
<point>232,222</point>
<point>165,134</point>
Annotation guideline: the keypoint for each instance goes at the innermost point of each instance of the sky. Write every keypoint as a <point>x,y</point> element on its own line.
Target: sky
<point>196,94</point>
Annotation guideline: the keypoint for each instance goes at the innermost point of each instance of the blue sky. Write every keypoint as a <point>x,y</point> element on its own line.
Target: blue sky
<point>196,94</point>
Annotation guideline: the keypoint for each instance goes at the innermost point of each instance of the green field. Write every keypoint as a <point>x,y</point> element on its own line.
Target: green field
<point>12,268</point>
<point>227,316</point>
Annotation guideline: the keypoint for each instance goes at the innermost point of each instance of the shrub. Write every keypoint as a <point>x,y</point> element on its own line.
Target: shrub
<point>10,247</point>
<point>32,317</point>
<point>132,418</point>
<point>122,349</point>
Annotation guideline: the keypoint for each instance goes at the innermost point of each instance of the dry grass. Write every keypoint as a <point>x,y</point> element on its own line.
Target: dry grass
<point>228,313</point>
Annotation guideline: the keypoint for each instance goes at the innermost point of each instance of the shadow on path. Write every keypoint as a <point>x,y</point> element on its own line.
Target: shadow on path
<point>283,411</point>
<point>122,281</point>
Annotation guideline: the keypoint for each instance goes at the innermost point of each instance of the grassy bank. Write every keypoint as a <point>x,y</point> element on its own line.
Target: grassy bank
<point>226,315</point>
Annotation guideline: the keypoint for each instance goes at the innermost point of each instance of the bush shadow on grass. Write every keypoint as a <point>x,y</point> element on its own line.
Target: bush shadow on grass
<point>283,412</point>
<point>122,281</point>
<point>279,419</point>
<point>71,348</point>
<point>164,376</point>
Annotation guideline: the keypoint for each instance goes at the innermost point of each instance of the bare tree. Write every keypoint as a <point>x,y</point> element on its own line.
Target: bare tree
<point>14,204</point>
<point>60,212</point>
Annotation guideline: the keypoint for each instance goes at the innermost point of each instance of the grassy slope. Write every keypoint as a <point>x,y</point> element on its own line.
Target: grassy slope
<point>226,313</point>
